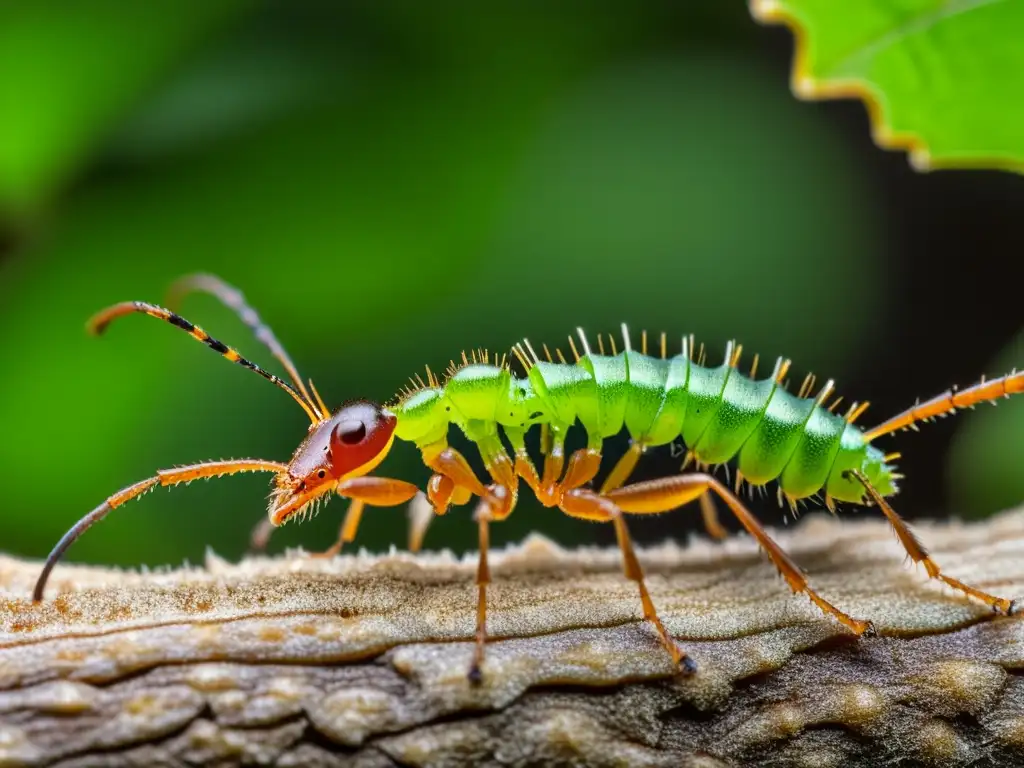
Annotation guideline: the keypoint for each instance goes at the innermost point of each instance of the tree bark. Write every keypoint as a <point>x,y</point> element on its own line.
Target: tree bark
<point>362,660</point>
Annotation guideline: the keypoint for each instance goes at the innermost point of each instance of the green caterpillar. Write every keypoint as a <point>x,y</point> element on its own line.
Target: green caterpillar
<point>720,414</point>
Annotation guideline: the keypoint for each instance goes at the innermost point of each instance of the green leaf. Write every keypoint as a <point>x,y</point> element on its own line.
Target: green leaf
<point>940,78</point>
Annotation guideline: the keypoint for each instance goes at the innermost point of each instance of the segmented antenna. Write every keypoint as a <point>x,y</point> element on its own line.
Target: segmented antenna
<point>323,408</point>
<point>233,298</point>
<point>99,322</point>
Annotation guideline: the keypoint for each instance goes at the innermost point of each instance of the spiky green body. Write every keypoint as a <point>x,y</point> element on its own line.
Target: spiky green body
<point>720,414</point>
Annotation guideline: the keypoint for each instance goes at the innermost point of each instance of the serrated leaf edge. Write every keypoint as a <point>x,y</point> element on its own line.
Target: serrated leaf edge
<point>807,88</point>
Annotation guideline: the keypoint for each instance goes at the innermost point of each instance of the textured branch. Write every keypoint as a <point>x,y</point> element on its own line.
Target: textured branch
<point>362,660</point>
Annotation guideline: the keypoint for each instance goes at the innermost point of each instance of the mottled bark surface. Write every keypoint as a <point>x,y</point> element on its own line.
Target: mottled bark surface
<point>362,660</point>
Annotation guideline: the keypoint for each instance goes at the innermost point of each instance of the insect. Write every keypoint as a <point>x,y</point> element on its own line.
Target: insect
<point>721,414</point>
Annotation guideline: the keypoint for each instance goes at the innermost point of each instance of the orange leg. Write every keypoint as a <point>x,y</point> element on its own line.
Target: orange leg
<point>587,505</point>
<point>421,514</point>
<point>499,466</point>
<point>620,474</point>
<point>453,482</point>
<point>450,464</point>
<point>162,477</point>
<point>553,446</point>
<point>347,532</point>
<point>524,468</point>
<point>483,578</point>
<point>583,465</point>
<point>375,491</point>
<point>439,491</point>
<point>920,555</point>
<point>710,516</point>
<point>496,503</point>
<point>484,514</point>
<point>443,492</point>
<point>950,401</point>
<point>655,496</point>
<point>383,492</point>
<point>623,468</point>
<point>504,492</point>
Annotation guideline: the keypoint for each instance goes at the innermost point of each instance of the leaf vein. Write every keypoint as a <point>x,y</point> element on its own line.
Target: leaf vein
<point>911,26</point>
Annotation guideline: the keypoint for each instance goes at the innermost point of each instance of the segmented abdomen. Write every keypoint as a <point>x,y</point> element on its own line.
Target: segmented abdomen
<point>720,414</point>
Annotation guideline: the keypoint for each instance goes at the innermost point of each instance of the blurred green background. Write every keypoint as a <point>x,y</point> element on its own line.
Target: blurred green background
<point>389,183</point>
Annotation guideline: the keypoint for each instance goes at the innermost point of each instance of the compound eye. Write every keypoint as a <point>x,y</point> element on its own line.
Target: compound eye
<point>360,437</point>
<point>350,432</point>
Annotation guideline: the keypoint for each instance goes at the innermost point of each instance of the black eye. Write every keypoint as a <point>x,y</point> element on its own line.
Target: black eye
<point>350,432</point>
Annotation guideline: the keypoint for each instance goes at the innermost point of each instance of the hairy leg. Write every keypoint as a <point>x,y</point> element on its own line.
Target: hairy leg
<point>709,515</point>
<point>663,495</point>
<point>347,532</point>
<point>587,505</point>
<point>485,513</point>
<point>623,468</point>
<point>919,554</point>
<point>363,491</point>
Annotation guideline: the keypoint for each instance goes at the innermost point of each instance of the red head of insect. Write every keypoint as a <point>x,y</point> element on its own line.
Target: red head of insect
<point>348,444</point>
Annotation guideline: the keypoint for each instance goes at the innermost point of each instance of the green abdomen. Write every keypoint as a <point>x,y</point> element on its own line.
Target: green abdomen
<point>720,414</point>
